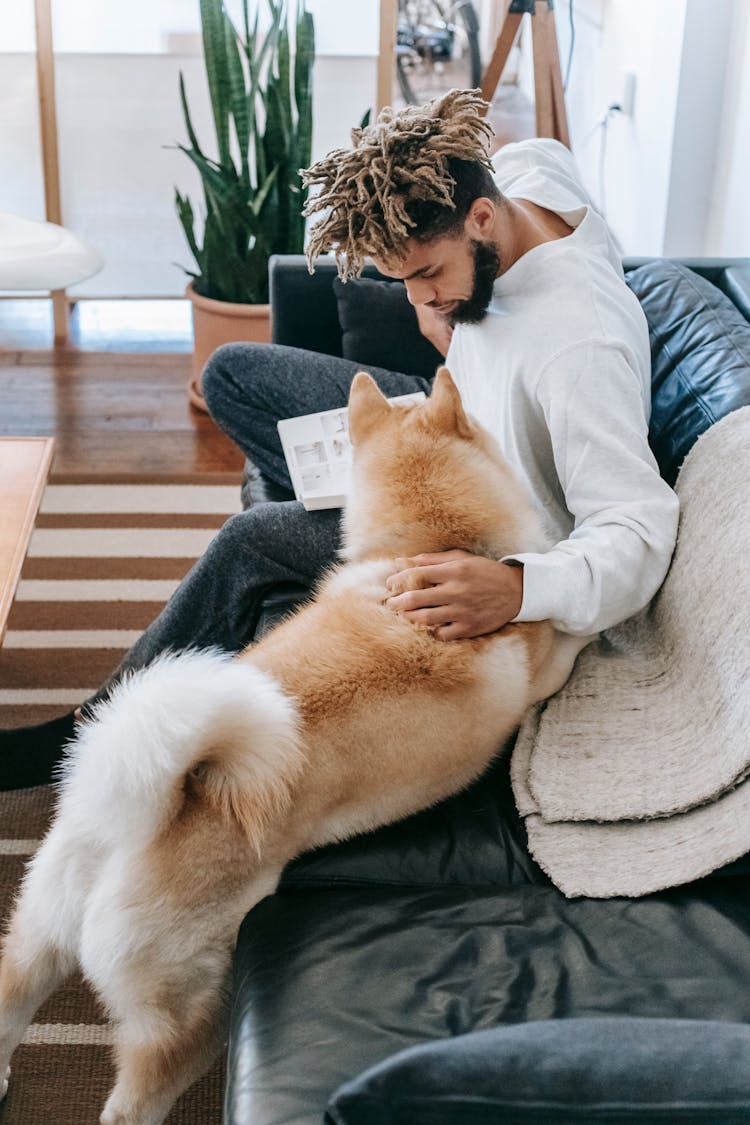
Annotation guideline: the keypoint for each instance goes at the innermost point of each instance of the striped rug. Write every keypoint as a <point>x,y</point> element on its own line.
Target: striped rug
<point>102,561</point>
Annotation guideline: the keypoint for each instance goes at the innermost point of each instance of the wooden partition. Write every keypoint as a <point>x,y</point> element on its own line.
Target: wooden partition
<point>45,69</point>
<point>388,21</point>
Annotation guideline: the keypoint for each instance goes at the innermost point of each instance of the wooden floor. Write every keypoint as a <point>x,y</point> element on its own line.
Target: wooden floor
<point>116,398</point>
<point>125,413</point>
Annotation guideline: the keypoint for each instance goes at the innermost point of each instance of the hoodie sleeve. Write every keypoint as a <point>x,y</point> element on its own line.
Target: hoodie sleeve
<point>625,516</point>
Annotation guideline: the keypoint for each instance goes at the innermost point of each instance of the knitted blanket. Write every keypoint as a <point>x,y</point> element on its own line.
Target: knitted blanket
<point>636,775</point>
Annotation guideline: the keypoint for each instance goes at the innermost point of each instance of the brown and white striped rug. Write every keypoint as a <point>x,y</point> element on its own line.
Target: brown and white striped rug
<point>102,561</point>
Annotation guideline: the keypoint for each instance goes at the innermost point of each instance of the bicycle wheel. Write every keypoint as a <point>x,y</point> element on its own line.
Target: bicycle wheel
<point>437,48</point>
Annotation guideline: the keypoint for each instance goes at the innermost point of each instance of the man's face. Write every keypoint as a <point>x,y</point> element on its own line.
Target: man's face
<point>454,276</point>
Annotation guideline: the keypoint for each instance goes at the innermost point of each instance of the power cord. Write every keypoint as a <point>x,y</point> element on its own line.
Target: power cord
<point>572,44</point>
<point>603,125</point>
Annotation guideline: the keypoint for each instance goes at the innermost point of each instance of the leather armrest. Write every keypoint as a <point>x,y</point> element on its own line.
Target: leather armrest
<point>737,283</point>
<point>730,275</point>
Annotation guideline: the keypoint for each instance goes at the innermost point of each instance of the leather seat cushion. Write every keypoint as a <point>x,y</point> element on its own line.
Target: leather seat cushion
<point>331,982</point>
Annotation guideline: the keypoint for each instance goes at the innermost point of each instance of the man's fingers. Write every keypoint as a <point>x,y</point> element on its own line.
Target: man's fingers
<point>429,568</point>
<point>431,615</point>
<point>432,559</point>
<point>451,632</point>
<point>438,558</point>
<point>427,576</point>
<point>413,599</point>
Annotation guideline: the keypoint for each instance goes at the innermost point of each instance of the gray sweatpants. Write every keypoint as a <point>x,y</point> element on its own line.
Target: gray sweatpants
<point>248,388</point>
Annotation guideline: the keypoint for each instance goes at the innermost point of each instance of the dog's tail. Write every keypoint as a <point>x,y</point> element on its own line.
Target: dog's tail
<point>191,723</point>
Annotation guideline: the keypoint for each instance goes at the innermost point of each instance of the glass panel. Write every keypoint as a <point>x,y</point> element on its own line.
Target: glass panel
<point>119,113</point>
<point>142,27</point>
<point>139,27</point>
<point>21,183</point>
<point>118,116</point>
<point>118,110</point>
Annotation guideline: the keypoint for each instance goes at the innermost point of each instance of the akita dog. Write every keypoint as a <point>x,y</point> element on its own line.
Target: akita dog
<point>203,775</point>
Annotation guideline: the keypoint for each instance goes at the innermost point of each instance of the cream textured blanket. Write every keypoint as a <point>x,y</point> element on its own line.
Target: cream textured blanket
<point>636,776</point>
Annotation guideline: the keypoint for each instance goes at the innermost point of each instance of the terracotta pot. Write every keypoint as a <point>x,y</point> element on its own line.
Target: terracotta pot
<point>221,322</point>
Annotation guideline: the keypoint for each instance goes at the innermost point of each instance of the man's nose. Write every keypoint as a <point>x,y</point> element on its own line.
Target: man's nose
<point>420,291</point>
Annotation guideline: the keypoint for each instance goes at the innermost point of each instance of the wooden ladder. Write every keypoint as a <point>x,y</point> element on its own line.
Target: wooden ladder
<point>24,467</point>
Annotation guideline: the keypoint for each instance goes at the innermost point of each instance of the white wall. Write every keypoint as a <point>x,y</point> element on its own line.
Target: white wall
<point>728,228</point>
<point>698,120</point>
<point>626,163</point>
<point>671,177</point>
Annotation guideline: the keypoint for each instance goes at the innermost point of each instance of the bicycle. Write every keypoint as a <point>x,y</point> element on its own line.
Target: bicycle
<point>437,48</point>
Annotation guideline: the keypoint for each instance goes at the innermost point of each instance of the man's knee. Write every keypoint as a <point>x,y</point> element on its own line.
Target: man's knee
<point>260,532</point>
<point>278,535</point>
<point>236,538</point>
<point>230,367</point>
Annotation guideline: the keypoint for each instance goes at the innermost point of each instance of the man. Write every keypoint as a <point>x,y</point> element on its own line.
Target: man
<point>516,277</point>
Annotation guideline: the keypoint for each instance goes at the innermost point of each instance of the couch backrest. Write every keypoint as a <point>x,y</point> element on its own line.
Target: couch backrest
<point>697,309</point>
<point>304,311</point>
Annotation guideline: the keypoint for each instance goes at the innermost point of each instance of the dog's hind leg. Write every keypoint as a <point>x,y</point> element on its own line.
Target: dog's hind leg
<point>163,1045</point>
<point>39,946</point>
<point>30,971</point>
<point>161,964</point>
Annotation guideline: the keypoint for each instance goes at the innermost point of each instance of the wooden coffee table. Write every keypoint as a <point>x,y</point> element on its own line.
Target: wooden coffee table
<point>24,467</point>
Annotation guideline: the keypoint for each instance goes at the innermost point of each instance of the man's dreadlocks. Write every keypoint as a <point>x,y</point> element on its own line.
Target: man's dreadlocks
<point>397,165</point>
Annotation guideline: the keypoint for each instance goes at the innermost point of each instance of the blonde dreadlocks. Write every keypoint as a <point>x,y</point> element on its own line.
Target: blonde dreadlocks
<point>401,159</point>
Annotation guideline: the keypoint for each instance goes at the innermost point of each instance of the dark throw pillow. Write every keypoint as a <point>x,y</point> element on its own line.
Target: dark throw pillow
<point>616,1070</point>
<point>700,357</point>
<point>379,327</point>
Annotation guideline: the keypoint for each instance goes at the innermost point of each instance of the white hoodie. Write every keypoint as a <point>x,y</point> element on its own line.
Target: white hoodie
<point>559,371</point>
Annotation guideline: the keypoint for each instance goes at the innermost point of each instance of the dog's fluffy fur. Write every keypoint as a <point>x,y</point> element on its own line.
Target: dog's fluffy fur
<point>203,775</point>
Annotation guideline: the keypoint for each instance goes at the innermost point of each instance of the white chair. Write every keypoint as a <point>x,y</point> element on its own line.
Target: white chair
<point>39,255</point>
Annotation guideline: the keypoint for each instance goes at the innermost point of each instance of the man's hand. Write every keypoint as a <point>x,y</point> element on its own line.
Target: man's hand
<point>435,327</point>
<point>457,594</point>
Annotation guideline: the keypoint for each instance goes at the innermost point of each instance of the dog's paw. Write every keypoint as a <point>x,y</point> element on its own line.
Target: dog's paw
<point>118,1114</point>
<point>4,1084</point>
<point>111,1115</point>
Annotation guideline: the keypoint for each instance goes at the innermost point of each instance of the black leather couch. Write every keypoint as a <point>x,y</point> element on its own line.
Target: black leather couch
<point>442,932</point>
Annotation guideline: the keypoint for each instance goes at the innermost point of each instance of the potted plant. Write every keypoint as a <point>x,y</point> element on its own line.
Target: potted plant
<point>260,86</point>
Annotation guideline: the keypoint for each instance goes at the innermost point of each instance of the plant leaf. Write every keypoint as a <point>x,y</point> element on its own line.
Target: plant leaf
<point>185,213</point>
<point>261,96</point>
<point>238,97</point>
<point>217,71</point>
<point>186,113</point>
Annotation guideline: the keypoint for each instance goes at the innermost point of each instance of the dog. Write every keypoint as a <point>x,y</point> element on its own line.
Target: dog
<point>203,775</point>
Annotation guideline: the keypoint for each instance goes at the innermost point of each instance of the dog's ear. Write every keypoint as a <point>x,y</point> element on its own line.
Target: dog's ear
<point>367,406</point>
<point>446,407</point>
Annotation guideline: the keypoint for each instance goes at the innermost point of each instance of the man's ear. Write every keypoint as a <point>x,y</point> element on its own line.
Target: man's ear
<point>480,219</point>
<point>446,407</point>
<point>367,406</point>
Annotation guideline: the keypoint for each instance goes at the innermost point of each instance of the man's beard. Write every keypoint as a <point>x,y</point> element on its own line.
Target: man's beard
<point>486,269</point>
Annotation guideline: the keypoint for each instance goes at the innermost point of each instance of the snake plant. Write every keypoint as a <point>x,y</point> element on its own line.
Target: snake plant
<point>260,85</point>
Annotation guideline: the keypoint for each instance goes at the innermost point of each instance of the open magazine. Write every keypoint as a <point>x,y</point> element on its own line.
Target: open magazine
<point>319,454</point>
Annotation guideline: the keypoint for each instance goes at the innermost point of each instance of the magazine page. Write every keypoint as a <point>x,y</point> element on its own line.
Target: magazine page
<point>319,454</point>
